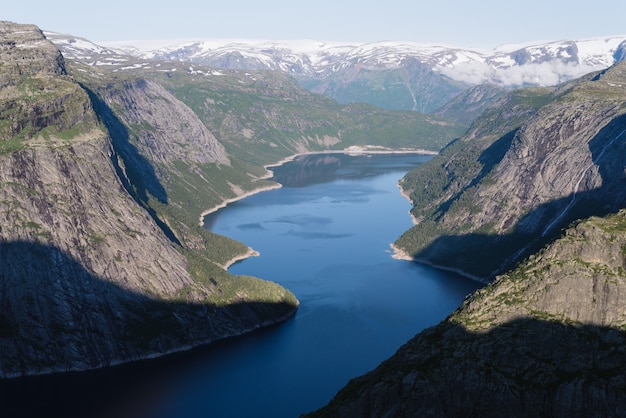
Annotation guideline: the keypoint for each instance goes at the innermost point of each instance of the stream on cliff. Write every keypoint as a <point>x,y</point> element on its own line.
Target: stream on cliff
<point>325,236</point>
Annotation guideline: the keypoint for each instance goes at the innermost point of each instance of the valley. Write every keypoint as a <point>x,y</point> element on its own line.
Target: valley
<point>111,155</point>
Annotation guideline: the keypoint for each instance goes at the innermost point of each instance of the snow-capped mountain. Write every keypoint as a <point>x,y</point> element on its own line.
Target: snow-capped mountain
<point>475,66</point>
<point>394,75</point>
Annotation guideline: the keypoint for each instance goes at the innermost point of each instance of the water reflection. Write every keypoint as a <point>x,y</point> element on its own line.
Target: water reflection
<point>309,169</point>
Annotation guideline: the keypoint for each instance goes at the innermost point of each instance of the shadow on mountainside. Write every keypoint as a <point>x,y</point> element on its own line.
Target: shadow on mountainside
<point>489,158</point>
<point>57,316</point>
<point>138,175</point>
<point>138,170</point>
<point>485,255</point>
<point>523,368</point>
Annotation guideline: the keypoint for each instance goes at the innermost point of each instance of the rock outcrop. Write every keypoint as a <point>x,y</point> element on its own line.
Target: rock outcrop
<point>167,129</point>
<point>547,339</point>
<point>25,52</point>
<point>88,278</point>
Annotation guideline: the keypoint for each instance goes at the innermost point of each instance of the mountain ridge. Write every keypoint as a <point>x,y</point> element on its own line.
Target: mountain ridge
<point>321,58</point>
<point>391,75</point>
<point>534,197</point>
<point>534,162</point>
<point>89,276</point>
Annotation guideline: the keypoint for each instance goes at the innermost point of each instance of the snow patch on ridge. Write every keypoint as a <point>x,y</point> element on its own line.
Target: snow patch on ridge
<point>511,65</point>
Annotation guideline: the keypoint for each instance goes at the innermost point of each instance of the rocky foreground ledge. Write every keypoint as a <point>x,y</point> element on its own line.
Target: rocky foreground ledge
<point>546,339</point>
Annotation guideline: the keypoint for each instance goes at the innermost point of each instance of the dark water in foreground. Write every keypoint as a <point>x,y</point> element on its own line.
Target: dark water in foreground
<point>325,236</point>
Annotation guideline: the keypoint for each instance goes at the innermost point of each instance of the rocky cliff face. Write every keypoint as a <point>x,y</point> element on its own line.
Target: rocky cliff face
<point>25,52</point>
<point>546,339</point>
<point>513,189</point>
<point>34,92</point>
<point>87,277</point>
<point>167,129</point>
<point>470,103</point>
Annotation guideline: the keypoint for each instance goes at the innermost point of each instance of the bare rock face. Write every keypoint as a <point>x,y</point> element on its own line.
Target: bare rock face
<point>24,51</point>
<point>578,279</point>
<point>53,197</point>
<point>87,277</point>
<point>176,132</point>
<point>567,151</point>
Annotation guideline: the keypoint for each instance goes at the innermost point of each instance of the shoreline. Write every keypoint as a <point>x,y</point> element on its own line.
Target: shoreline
<point>154,355</point>
<point>408,198</point>
<point>251,252</point>
<point>357,150</point>
<point>399,254</point>
<point>237,198</point>
<point>352,150</point>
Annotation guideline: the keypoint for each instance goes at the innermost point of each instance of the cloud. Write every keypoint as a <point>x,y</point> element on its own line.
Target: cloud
<point>547,73</point>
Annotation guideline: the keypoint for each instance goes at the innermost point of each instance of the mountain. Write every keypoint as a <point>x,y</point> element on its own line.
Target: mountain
<point>392,75</point>
<point>545,339</point>
<point>90,276</point>
<point>532,198</point>
<point>470,103</point>
<point>107,171</point>
<point>531,164</point>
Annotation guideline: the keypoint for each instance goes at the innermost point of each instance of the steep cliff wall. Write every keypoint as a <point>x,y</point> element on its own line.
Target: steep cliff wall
<point>88,278</point>
<point>155,115</point>
<point>546,339</point>
<point>522,173</point>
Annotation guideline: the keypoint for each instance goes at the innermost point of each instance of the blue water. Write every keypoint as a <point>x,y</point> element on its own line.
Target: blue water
<point>325,236</point>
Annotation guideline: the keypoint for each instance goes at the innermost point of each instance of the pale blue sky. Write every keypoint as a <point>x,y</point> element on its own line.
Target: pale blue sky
<point>481,24</point>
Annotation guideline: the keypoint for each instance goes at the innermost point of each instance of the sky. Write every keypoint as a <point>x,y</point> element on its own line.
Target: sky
<point>478,24</point>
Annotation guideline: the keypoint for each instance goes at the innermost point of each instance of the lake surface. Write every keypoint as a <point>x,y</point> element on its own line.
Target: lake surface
<point>325,236</point>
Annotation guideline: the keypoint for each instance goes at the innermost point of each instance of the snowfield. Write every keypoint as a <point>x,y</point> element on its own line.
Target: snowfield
<point>511,65</point>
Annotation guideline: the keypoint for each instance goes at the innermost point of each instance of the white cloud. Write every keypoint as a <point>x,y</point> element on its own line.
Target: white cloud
<point>548,73</point>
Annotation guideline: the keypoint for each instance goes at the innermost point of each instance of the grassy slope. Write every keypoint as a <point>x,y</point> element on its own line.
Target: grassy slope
<point>264,118</point>
<point>260,119</point>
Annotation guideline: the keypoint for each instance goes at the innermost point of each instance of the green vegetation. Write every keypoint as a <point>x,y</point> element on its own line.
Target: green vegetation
<point>233,288</point>
<point>444,190</point>
<point>259,118</point>
<point>420,89</point>
<point>263,118</point>
<point>42,107</point>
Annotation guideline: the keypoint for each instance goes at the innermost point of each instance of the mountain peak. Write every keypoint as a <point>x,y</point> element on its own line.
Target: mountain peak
<point>569,58</point>
<point>388,74</point>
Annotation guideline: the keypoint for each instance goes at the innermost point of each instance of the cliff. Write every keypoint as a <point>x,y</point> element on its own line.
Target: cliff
<point>531,197</point>
<point>89,277</point>
<point>529,166</point>
<point>546,339</point>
